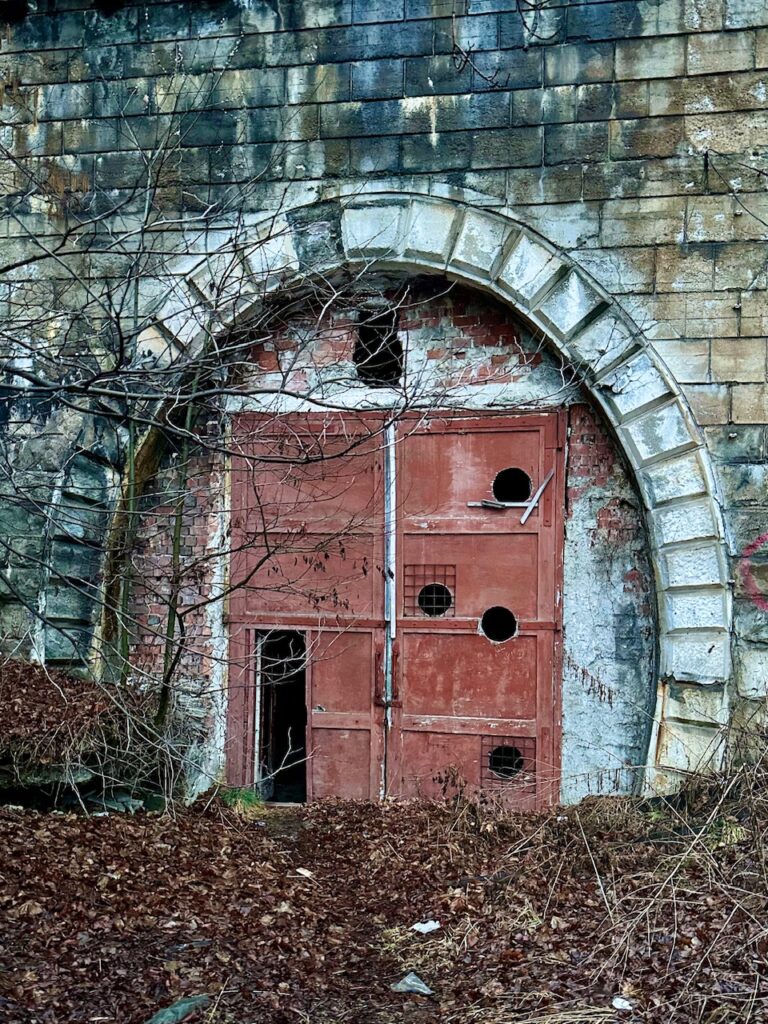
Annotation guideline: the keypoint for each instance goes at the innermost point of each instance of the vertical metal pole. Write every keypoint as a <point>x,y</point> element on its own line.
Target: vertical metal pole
<point>390,567</point>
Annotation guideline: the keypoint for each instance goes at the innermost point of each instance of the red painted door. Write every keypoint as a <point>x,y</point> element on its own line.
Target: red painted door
<point>478,633</point>
<point>307,557</point>
<point>460,689</point>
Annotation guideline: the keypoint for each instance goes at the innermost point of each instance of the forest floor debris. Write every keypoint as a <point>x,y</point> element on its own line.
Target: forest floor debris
<point>605,912</point>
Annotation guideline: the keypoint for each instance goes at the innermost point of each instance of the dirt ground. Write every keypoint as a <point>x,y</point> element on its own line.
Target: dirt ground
<point>606,912</point>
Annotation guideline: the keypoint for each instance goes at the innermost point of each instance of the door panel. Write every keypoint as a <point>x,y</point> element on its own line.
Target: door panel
<point>342,669</point>
<point>335,576</point>
<point>345,724</point>
<point>307,535</point>
<point>340,759</point>
<point>464,676</point>
<point>464,460</point>
<point>308,543</point>
<point>428,757</point>
<point>481,713</point>
<point>480,569</point>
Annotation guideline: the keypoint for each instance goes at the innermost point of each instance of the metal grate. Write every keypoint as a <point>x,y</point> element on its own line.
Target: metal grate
<point>423,592</point>
<point>508,761</point>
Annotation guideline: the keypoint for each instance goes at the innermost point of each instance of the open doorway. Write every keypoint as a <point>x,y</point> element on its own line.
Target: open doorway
<point>282,715</point>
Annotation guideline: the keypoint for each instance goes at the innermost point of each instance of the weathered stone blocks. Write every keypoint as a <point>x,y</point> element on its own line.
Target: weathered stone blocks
<point>528,270</point>
<point>569,304</point>
<point>690,748</point>
<point>184,316</point>
<point>373,231</point>
<point>602,343</point>
<point>225,283</point>
<point>698,608</point>
<point>271,254</point>
<point>752,660</point>
<point>686,521</point>
<point>479,244</point>
<point>697,657</point>
<point>693,565</point>
<point>634,385</point>
<point>707,705</point>
<point>675,478</point>
<point>662,431</point>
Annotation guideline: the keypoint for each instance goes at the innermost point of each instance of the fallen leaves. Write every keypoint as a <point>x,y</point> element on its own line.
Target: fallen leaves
<point>56,728</point>
<point>309,916</point>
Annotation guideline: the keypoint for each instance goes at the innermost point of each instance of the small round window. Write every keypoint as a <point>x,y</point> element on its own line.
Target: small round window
<point>505,762</point>
<point>435,599</point>
<point>512,485</point>
<point>498,624</point>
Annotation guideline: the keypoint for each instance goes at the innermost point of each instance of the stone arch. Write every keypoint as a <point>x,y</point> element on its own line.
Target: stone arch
<point>461,238</point>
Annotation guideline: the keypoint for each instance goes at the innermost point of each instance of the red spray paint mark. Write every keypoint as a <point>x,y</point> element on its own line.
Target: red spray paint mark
<point>758,597</point>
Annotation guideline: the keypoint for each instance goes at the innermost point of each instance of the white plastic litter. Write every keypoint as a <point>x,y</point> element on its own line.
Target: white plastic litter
<point>620,1003</point>
<point>425,927</point>
<point>412,983</point>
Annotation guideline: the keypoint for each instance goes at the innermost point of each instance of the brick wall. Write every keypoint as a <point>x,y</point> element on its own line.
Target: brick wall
<point>608,618</point>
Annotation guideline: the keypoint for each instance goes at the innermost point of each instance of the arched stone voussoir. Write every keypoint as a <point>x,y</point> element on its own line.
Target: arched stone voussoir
<point>206,294</point>
<point>588,329</point>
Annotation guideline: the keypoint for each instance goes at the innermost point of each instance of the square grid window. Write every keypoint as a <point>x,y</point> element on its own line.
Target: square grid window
<point>508,761</point>
<point>430,591</point>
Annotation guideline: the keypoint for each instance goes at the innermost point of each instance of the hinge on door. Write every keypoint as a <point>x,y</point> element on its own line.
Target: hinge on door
<point>379,695</point>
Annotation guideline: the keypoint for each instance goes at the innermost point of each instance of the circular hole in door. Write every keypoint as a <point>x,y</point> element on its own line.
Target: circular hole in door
<point>512,485</point>
<point>505,761</point>
<point>434,599</point>
<point>498,624</point>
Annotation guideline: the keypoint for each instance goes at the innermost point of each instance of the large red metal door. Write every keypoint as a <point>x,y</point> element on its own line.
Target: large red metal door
<point>427,596</point>
<point>307,556</point>
<point>479,539</point>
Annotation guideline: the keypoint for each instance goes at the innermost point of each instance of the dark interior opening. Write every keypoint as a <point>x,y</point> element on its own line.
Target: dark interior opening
<point>13,11</point>
<point>108,7</point>
<point>512,485</point>
<point>282,748</point>
<point>506,762</point>
<point>498,624</point>
<point>378,353</point>
<point>435,599</point>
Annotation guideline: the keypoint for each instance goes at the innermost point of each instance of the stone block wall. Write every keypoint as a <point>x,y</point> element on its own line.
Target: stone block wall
<point>631,135</point>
